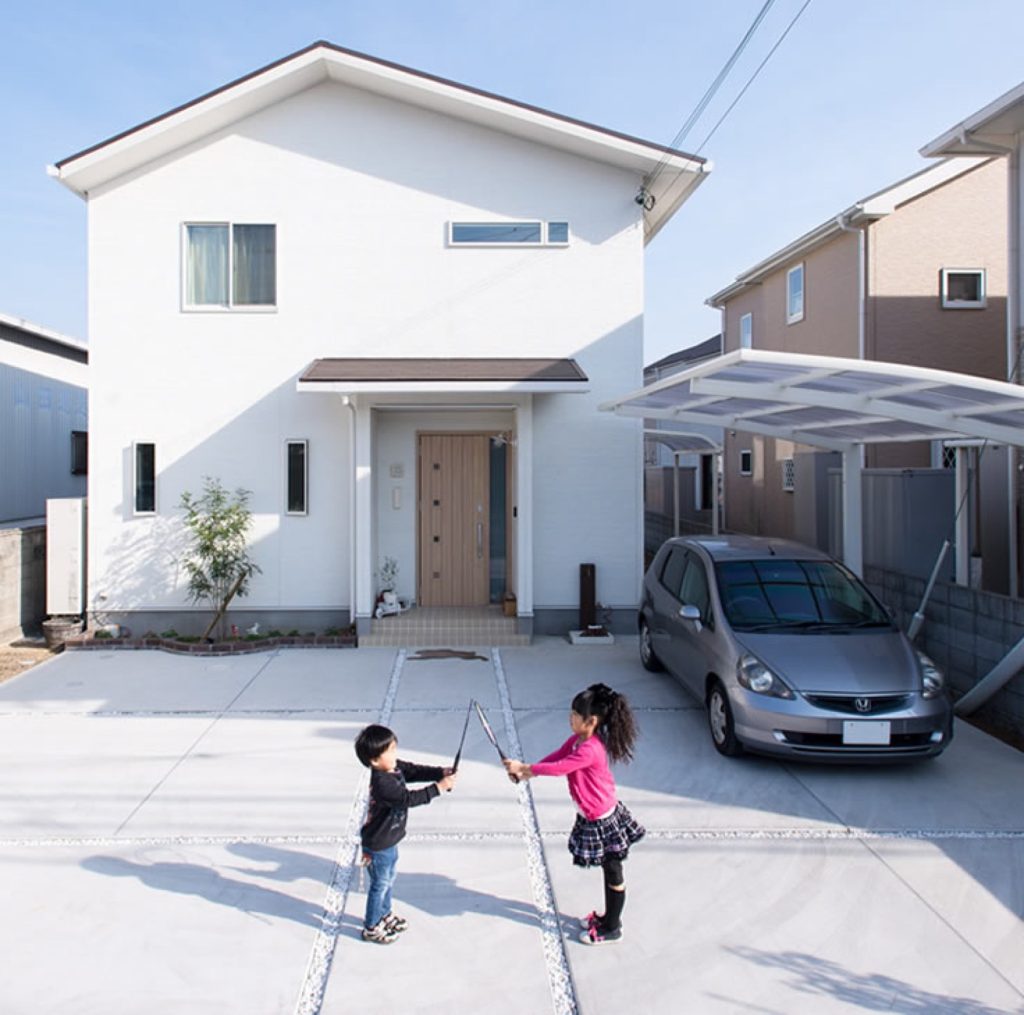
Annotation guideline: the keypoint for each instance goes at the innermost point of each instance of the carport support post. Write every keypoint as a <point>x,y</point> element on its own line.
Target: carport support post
<point>853,511</point>
<point>963,518</point>
<point>675,493</point>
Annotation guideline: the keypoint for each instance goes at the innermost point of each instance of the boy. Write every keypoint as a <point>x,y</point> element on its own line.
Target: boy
<point>390,800</point>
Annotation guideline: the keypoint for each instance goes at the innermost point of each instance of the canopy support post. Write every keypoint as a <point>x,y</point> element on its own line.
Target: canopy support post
<point>853,511</point>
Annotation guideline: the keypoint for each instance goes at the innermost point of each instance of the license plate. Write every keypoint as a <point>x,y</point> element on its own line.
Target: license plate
<point>866,731</point>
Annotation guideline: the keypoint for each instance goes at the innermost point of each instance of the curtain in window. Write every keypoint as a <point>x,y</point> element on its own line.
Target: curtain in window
<point>207,266</point>
<point>254,265</point>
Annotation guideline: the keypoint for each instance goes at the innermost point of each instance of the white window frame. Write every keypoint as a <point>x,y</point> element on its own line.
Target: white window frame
<point>231,307</point>
<point>305,476</point>
<point>791,316</point>
<point>542,228</point>
<point>135,480</point>
<point>951,304</point>
<point>749,470</point>
<point>747,331</point>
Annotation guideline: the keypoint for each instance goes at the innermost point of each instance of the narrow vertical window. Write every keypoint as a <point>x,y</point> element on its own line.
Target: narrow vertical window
<point>746,463</point>
<point>253,265</point>
<point>795,294</point>
<point>747,331</point>
<point>297,477</point>
<point>79,453</point>
<point>145,478</point>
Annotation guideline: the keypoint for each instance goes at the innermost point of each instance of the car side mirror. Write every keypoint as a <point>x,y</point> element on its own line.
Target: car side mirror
<point>689,612</point>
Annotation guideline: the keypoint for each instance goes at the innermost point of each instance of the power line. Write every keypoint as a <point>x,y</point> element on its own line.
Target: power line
<point>753,76</point>
<point>711,91</point>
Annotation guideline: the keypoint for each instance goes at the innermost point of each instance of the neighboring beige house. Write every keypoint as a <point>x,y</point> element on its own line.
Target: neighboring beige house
<point>915,274</point>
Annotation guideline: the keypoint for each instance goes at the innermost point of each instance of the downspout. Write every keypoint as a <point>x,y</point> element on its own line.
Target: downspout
<point>843,221</point>
<point>347,402</point>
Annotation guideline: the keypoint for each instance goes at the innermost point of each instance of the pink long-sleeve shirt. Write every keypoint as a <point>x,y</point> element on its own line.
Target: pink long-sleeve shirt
<point>585,764</point>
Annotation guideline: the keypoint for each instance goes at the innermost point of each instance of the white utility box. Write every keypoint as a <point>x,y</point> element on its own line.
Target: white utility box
<point>65,556</point>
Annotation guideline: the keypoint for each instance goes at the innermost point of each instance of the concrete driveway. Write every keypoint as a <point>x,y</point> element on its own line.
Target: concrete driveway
<point>177,835</point>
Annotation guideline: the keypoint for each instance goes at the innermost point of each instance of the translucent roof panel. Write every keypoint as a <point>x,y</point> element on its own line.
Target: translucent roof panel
<point>832,402</point>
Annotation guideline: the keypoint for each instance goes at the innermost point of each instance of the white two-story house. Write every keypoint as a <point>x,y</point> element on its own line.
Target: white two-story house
<point>388,305</point>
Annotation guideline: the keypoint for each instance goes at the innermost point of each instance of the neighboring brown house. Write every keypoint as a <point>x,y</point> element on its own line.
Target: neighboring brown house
<point>914,274</point>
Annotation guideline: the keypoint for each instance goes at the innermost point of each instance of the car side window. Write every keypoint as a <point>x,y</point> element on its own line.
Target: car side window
<point>694,589</point>
<point>672,572</point>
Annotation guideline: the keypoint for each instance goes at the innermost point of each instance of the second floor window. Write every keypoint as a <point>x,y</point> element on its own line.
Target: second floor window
<point>230,265</point>
<point>747,331</point>
<point>795,294</point>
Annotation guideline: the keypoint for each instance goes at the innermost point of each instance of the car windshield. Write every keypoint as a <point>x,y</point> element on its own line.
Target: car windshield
<point>795,595</point>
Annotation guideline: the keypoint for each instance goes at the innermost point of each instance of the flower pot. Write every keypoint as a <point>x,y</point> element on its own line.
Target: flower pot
<point>57,630</point>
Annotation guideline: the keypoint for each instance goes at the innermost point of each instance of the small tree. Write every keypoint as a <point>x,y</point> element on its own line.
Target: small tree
<point>218,564</point>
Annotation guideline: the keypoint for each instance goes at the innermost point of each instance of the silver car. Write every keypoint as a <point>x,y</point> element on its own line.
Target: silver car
<point>789,652</point>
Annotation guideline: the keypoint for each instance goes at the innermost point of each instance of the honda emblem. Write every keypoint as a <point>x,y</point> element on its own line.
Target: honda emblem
<point>862,704</point>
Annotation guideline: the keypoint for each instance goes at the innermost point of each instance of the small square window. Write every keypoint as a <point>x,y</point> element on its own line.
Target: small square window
<point>788,475</point>
<point>746,463</point>
<point>795,294</point>
<point>558,232</point>
<point>747,331</point>
<point>963,288</point>
<point>79,453</point>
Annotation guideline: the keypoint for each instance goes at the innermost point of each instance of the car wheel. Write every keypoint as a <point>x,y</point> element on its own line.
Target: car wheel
<point>723,734</point>
<point>647,657</point>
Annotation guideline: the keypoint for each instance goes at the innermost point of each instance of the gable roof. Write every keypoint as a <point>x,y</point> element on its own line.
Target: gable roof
<point>993,129</point>
<point>324,61</point>
<point>867,209</point>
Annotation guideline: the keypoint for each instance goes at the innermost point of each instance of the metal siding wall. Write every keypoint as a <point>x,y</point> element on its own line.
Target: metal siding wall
<point>37,415</point>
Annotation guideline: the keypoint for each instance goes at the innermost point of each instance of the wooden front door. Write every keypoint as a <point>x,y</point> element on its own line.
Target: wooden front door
<point>454,513</point>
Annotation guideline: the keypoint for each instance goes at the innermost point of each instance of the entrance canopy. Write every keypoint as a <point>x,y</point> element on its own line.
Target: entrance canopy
<point>837,404</point>
<point>832,403</point>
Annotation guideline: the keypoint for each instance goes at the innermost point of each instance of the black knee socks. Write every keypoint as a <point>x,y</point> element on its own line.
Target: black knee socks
<point>613,903</point>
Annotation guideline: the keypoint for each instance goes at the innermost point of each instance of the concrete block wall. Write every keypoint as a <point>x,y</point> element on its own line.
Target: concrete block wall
<point>966,631</point>
<point>22,579</point>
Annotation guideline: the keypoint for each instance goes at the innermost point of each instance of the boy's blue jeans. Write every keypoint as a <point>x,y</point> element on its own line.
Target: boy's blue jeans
<point>382,877</point>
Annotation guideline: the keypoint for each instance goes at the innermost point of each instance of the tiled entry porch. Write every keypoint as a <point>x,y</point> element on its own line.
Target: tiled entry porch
<point>445,626</point>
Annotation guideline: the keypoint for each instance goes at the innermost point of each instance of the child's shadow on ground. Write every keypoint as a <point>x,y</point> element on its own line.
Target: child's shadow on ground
<point>441,896</point>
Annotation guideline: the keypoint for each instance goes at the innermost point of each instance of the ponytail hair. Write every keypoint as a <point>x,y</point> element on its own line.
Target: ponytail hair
<point>616,724</point>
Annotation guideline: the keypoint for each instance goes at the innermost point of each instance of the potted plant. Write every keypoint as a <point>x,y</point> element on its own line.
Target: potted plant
<point>387,598</point>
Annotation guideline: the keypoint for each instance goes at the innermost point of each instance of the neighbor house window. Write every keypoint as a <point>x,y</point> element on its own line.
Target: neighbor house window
<point>795,294</point>
<point>788,475</point>
<point>79,453</point>
<point>963,288</point>
<point>230,265</point>
<point>746,463</point>
<point>502,234</point>
<point>747,331</point>
<point>144,478</point>
<point>296,467</point>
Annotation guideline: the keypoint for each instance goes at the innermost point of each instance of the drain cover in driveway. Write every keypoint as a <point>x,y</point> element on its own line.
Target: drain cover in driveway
<point>445,653</point>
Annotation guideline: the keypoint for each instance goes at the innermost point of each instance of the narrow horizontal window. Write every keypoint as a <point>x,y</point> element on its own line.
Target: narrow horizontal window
<point>496,232</point>
<point>79,453</point>
<point>144,478</point>
<point>297,477</point>
<point>963,288</point>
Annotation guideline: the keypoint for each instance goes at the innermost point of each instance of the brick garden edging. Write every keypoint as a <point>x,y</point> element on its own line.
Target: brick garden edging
<point>86,642</point>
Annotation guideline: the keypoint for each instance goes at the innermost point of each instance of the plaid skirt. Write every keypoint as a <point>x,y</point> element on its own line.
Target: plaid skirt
<point>592,842</point>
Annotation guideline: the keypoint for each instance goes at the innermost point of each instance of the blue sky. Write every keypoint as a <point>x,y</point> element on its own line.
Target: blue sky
<point>839,112</point>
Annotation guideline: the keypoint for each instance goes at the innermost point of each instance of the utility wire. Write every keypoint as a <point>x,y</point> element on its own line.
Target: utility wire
<point>712,89</point>
<point>753,76</point>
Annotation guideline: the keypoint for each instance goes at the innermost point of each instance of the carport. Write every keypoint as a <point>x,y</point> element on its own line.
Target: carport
<point>840,405</point>
<point>683,442</point>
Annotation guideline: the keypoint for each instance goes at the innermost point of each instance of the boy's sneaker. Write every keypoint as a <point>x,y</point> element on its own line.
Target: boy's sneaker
<point>588,921</point>
<point>598,936</point>
<point>394,924</point>
<point>379,934</point>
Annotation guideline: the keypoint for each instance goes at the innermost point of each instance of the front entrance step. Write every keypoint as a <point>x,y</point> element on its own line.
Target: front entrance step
<point>445,627</point>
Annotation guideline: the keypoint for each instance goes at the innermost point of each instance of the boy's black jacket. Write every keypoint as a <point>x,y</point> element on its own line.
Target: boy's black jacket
<point>390,800</point>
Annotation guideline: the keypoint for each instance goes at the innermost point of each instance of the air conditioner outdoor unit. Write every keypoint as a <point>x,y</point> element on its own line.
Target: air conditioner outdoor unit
<point>65,556</point>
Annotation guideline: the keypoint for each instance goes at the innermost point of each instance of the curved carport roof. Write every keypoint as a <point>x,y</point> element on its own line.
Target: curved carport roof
<point>833,403</point>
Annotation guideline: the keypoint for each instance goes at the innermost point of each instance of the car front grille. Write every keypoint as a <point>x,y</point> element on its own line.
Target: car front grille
<point>877,704</point>
<point>834,741</point>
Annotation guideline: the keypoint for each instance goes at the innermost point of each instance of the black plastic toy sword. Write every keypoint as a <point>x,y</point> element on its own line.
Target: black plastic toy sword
<point>490,735</point>
<point>465,726</point>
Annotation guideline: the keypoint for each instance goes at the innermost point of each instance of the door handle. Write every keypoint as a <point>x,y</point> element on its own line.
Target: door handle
<point>479,540</point>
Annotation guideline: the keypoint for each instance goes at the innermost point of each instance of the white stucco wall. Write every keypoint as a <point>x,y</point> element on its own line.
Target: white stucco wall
<point>361,190</point>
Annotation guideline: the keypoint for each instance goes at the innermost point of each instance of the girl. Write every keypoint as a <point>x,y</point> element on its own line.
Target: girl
<point>603,727</point>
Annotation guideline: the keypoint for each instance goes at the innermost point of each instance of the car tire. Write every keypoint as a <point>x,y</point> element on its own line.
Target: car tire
<point>720,722</point>
<point>648,659</point>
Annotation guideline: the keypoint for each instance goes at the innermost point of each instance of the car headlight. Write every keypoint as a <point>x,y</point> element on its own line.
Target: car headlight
<point>755,676</point>
<point>931,676</point>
